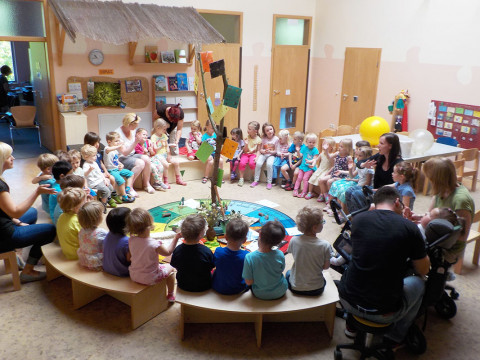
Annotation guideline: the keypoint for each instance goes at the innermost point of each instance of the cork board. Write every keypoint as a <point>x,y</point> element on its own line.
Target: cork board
<point>134,100</point>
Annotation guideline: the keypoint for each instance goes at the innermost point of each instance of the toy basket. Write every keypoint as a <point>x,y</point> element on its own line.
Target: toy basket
<point>70,107</point>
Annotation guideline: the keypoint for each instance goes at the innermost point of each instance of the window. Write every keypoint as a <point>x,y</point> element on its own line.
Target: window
<point>6,57</point>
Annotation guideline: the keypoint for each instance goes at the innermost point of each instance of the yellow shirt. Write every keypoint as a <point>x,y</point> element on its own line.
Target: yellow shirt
<point>252,144</point>
<point>160,142</point>
<point>68,228</point>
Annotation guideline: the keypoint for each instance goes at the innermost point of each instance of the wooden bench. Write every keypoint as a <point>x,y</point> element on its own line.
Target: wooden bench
<point>211,307</point>
<point>145,302</point>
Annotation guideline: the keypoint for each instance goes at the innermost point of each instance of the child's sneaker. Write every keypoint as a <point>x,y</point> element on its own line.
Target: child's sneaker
<point>240,182</point>
<point>284,184</point>
<point>127,199</point>
<point>171,298</point>
<point>112,203</point>
<point>158,187</point>
<point>117,199</point>
<point>165,181</point>
<point>295,193</point>
<point>308,196</point>
<point>233,176</point>
<point>301,195</point>
<point>269,186</point>
<point>253,184</point>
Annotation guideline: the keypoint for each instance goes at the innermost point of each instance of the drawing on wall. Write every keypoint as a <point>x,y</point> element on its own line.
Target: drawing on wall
<point>288,118</point>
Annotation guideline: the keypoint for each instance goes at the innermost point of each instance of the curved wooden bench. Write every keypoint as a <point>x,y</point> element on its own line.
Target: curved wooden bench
<point>145,302</point>
<point>211,307</point>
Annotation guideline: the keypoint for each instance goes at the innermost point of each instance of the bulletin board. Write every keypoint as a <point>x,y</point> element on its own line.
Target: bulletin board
<point>458,121</point>
<point>136,98</point>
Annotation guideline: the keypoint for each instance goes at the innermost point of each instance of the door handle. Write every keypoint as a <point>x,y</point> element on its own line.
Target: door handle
<point>201,95</point>
<point>345,97</point>
<point>276,92</point>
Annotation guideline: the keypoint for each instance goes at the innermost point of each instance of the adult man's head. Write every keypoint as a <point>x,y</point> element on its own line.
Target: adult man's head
<point>5,70</point>
<point>387,197</point>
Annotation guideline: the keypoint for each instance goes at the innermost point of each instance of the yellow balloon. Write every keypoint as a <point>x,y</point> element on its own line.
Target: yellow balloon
<point>372,128</point>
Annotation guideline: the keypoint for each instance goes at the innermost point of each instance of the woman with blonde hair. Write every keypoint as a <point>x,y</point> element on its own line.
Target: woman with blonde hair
<point>138,163</point>
<point>18,222</point>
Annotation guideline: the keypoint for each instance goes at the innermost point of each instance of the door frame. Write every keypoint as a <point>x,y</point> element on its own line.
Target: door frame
<point>308,44</point>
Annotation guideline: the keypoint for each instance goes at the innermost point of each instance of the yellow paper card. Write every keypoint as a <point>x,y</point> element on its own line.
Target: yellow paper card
<point>219,113</point>
<point>195,84</point>
<point>229,148</point>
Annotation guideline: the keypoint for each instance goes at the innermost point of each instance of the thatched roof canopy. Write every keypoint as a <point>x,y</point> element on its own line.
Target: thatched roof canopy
<point>117,23</point>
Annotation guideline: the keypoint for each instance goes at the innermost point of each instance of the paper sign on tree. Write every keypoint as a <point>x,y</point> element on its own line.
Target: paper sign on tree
<point>229,148</point>
<point>217,68</point>
<point>207,58</point>
<point>219,113</point>
<point>220,177</point>
<point>195,84</point>
<point>204,151</point>
<point>232,96</point>
<point>210,106</point>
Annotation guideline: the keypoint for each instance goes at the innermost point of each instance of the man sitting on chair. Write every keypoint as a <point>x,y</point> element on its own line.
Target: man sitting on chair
<point>374,287</point>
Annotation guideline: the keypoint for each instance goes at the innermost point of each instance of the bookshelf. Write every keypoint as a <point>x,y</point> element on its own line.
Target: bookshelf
<point>187,99</point>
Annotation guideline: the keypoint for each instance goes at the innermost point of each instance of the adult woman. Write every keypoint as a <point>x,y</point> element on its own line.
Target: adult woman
<point>450,194</point>
<point>173,115</point>
<point>389,154</point>
<point>17,222</point>
<point>139,164</point>
<point>5,71</point>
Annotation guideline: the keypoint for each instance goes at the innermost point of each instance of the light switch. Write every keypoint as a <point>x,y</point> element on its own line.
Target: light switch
<point>287,92</point>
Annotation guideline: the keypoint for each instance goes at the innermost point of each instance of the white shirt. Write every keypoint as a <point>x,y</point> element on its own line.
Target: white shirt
<point>95,176</point>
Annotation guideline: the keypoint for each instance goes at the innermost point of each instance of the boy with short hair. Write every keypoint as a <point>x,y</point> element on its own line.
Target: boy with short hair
<point>45,163</point>
<point>59,170</point>
<point>123,177</point>
<point>76,160</point>
<point>93,139</point>
<point>193,260</point>
<point>227,278</point>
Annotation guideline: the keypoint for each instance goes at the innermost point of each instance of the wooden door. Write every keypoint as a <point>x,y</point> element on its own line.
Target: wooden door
<point>359,90</point>
<point>289,87</point>
<point>41,87</point>
<point>231,53</point>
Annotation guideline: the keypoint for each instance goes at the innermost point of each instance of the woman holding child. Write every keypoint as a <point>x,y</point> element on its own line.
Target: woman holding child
<point>139,164</point>
<point>18,222</point>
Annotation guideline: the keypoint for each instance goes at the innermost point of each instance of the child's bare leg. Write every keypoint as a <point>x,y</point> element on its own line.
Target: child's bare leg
<point>121,189</point>
<point>208,167</point>
<point>176,166</point>
<point>284,170</point>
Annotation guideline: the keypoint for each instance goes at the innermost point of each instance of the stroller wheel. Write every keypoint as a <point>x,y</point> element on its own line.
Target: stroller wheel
<point>446,307</point>
<point>415,340</point>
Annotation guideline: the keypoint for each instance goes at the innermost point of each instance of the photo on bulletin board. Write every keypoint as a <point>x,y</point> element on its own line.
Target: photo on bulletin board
<point>288,117</point>
<point>133,85</point>
<point>105,94</point>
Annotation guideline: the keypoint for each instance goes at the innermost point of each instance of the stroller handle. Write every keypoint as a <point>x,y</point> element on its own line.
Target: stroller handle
<point>336,208</point>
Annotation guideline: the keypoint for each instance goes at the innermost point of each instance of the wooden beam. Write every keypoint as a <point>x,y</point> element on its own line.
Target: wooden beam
<point>191,53</point>
<point>60,40</point>
<point>23,38</point>
<point>132,46</point>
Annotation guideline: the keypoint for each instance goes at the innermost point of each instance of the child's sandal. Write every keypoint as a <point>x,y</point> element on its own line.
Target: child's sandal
<point>204,180</point>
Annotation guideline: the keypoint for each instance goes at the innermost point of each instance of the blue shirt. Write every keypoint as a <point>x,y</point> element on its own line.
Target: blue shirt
<point>115,249</point>
<point>266,271</point>
<point>52,200</point>
<point>227,278</point>
<point>45,197</point>
<point>406,189</point>
<point>308,154</point>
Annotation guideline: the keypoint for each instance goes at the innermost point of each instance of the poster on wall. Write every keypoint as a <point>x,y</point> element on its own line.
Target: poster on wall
<point>288,118</point>
<point>457,121</point>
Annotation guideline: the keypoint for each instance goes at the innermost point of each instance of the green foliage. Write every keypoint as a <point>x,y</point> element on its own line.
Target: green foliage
<point>105,94</point>
<point>6,57</point>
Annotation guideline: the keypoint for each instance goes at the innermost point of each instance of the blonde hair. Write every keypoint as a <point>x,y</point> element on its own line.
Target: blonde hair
<point>88,150</point>
<point>69,198</point>
<point>160,123</point>
<point>331,142</point>
<point>284,132</point>
<point>311,136</point>
<point>138,221</point>
<point>74,155</point>
<point>140,130</point>
<point>192,227</point>
<point>298,135</point>
<point>442,174</point>
<point>308,217</point>
<point>197,124</point>
<point>112,135</point>
<point>90,214</point>
<point>348,145</point>
<point>366,151</point>
<point>5,152</point>
<point>130,118</point>
<point>46,160</point>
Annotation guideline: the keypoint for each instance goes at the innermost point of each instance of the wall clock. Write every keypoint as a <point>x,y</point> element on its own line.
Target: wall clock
<point>96,57</point>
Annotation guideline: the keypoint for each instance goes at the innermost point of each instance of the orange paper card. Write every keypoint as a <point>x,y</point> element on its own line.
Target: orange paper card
<point>207,58</point>
<point>229,148</point>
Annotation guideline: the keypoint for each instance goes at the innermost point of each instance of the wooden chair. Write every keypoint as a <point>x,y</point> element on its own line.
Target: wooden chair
<point>24,117</point>
<point>344,130</point>
<point>473,236</point>
<point>470,155</point>
<point>447,141</point>
<point>357,129</point>
<point>10,260</point>
<point>459,166</point>
<point>327,133</point>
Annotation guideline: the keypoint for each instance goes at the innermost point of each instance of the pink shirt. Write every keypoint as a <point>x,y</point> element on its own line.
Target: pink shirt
<point>144,262</point>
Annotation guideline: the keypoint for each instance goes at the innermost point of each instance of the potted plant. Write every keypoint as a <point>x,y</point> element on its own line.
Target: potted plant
<point>214,214</point>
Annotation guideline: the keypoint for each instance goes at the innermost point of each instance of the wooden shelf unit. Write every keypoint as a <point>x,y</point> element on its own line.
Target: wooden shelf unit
<point>190,109</point>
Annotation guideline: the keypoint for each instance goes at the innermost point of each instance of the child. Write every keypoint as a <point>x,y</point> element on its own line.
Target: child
<point>123,177</point>
<point>116,256</point>
<point>90,237</point>
<point>307,166</point>
<point>237,136</point>
<point>74,181</point>
<point>68,227</point>
<point>62,155</point>
<point>281,159</point>
<point>93,139</point>
<point>263,268</point>
<point>75,160</point>
<point>95,178</point>
<point>193,260</point>
<point>210,137</point>
<point>194,139</point>
<point>227,278</point>
<point>146,147</point>
<point>325,162</point>
<point>162,152</point>
<point>405,175</point>
<point>268,150</point>
<point>45,163</point>
<point>294,160</point>
<point>339,169</point>
<point>144,250</point>
<point>59,170</point>
<point>311,255</point>
<point>250,150</point>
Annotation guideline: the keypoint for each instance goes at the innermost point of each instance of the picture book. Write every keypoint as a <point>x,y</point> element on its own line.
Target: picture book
<point>151,54</point>
<point>182,82</point>
<point>168,57</point>
<point>160,83</point>
<point>232,96</point>
<point>161,99</point>
<point>191,83</point>
<point>172,83</point>
<point>207,58</point>
<point>217,68</point>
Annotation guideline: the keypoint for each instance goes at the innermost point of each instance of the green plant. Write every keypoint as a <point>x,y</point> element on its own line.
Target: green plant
<point>105,94</point>
<point>213,214</point>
